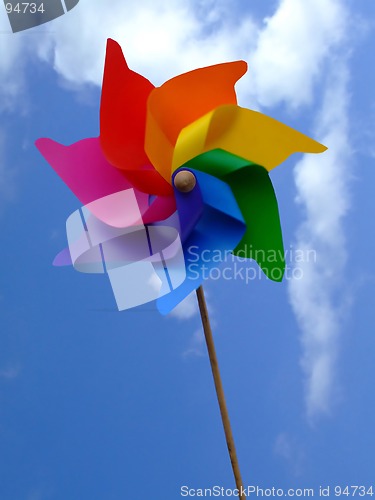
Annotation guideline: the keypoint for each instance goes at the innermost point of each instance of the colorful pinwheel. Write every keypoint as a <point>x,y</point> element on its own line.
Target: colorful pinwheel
<point>176,168</point>
<point>141,216</point>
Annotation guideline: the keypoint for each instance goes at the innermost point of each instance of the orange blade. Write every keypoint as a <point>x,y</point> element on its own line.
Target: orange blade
<point>182,100</point>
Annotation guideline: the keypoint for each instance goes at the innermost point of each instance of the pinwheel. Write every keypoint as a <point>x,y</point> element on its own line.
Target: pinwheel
<point>178,171</point>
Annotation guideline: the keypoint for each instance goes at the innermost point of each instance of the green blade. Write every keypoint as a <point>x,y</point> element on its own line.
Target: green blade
<point>254,193</point>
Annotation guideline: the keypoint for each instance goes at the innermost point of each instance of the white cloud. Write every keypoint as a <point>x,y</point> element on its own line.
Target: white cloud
<point>287,448</point>
<point>189,308</point>
<point>186,309</point>
<point>197,345</point>
<point>159,39</point>
<point>319,298</point>
<point>10,372</point>
<point>292,49</point>
<point>302,44</point>
<point>11,65</point>
<point>40,493</point>
<point>7,174</point>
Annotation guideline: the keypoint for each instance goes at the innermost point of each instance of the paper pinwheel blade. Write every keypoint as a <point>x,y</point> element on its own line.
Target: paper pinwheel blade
<point>143,262</point>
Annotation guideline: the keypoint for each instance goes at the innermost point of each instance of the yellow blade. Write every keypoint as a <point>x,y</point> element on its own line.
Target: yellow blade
<point>245,133</point>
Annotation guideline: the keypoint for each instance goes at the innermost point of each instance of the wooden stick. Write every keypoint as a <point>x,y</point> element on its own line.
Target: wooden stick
<point>220,391</point>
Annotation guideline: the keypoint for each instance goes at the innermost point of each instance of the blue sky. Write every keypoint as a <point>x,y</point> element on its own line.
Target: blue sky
<point>102,405</point>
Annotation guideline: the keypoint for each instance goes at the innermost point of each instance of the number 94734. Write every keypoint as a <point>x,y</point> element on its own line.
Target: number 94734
<point>24,7</point>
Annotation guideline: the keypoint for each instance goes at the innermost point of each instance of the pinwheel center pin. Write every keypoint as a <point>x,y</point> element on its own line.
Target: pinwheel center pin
<point>185,181</point>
